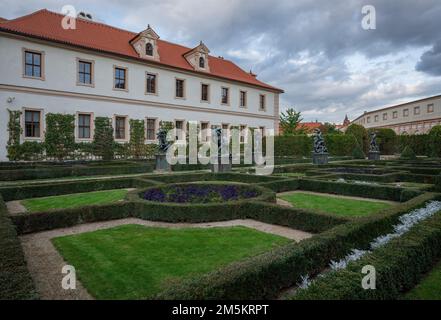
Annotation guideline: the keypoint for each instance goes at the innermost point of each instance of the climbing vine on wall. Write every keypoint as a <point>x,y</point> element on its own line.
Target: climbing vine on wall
<point>15,131</point>
<point>60,135</point>
<point>137,138</point>
<point>103,141</point>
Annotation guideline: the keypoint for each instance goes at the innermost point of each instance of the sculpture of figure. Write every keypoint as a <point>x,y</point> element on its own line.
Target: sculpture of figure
<point>319,142</point>
<point>163,144</point>
<point>373,147</point>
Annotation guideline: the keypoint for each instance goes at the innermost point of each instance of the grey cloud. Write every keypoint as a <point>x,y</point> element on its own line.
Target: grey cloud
<point>430,61</point>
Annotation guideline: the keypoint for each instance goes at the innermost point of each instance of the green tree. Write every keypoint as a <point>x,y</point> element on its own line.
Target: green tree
<point>360,133</point>
<point>103,140</point>
<point>329,128</point>
<point>290,122</point>
<point>387,140</point>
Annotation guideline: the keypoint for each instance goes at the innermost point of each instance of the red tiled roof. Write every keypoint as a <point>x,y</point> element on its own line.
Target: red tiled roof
<point>46,25</point>
<point>3,20</point>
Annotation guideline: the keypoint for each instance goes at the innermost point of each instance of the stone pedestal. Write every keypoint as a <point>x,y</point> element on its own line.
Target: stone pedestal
<point>161,163</point>
<point>374,155</point>
<point>220,167</point>
<point>320,158</point>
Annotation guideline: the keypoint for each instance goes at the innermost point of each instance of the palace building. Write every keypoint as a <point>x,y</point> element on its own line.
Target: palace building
<point>98,70</point>
<point>416,117</point>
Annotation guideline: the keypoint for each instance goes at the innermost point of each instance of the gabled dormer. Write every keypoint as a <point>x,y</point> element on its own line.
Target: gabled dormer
<point>198,58</point>
<point>146,45</point>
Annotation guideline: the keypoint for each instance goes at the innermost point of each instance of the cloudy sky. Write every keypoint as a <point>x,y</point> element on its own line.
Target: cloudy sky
<point>317,51</point>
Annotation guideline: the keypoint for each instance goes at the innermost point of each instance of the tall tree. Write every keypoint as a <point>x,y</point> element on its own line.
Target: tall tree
<point>290,122</point>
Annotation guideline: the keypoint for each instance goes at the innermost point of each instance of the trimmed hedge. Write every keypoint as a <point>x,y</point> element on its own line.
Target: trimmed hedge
<point>15,281</point>
<point>399,265</point>
<point>75,170</point>
<point>359,190</point>
<point>420,144</point>
<point>265,275</point>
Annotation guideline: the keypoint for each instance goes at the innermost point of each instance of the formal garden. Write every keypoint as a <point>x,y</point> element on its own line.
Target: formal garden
<point>304,232</point>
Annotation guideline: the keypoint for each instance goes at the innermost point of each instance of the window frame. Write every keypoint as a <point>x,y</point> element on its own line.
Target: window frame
<point>431,108</point>
<point>155,129</point>
<point>126,78</point>
<point>184,85</point>
<point>91,126</point>
<point>183,133</point>
<point>243,138</point>
<point>41,126</point>
<point>202,59</point>
<point>405,113</point>
<point>385,116</point>
<point>147,74</point>
<point>153,49</point>
<point>222,96</point>
<point>245,102</point>
<point>92,72</point>
<point>208,92</point>
<point>261,95</point>
<point>42,64</point>
<point>126,127</point>
<point>415,113</point>
<point>395,115</point>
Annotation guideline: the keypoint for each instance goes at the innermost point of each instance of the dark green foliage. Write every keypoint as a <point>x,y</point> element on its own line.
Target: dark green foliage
<point>360,133</point>
<point>408,154</point>
<point>31,150</point>
<point>340,145</point>
<point>399,265</point>
<point>59,139</point>
<point>290,123</point>
<point>137,138</point>
<point>295,146</point>
<point>357,153</point>
<point>15,281</point>
<point>435,141</point>
<point>386,139</point>
<point>14,130</point>
<point>419,144</point>
<point>103,140</point>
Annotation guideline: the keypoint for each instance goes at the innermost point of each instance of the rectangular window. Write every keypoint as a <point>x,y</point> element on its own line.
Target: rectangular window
<point>84,126</point>
<point>204,131</point>
<point>85,72</point>
<point>151,129</point>
<point>368,120</point>
<point>262,131</point>
<point>225,95</point>
<point>204,92</point>
<point>416,110</point>
<point>179,127</point>
<point>32,124</point>
<point>262,102</point>
<point>120,79</point>
<point>376,118</point>
<point>33,64</point>
<point>384,116</point>
<point>120,128</point>
<point>243,132</point>
<point>395,114</point>
<point>430,108</point>
<point>225,126</point>
<point>243,99</point>
<point>151,83</point>
<point>405,112</point>
<point>180,87</point>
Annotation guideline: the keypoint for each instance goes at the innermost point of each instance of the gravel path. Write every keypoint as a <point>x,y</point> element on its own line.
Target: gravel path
<point>45,263</point>
<point>15,207</point>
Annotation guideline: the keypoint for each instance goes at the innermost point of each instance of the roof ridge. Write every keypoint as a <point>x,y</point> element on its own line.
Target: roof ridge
<point>26,15</point>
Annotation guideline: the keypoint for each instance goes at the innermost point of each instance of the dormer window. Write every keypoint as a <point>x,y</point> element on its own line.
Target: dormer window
<point>149,49</point>
<point>202,63</point>
<point>198,58</point>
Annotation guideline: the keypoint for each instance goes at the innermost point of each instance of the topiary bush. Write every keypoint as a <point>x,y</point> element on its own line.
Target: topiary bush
<point>408,154</point>
<point>360,133</point>
<point>357,153</point>
<point>435,141</point>
<point>340,145</point>
<point>103,140</point>
<point>386,139</point>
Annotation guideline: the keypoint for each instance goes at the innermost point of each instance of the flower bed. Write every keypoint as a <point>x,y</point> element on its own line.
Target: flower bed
<point>200,193</point>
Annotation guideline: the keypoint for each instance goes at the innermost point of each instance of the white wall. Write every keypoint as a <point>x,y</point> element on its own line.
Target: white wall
<point>61,72</point>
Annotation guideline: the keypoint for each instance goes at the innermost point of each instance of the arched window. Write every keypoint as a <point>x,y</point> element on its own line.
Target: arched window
<point>201,62</point>
<point>149,49</point>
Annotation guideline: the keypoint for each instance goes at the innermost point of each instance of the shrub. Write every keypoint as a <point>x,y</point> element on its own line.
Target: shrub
<point>357,153</point>
<point>408,154</point>
<point>340,145</point>
<point>435,141</point>
<point>103,141</point>
<point>360,133</point>
<point>137,137</point>
<point>15,281</point>
<point>31,150</point>
<point>14,130</point>
<point>295,146</point>
<point>419,143</point>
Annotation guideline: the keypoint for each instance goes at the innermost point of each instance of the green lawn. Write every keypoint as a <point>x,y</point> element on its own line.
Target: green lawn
<point>74,200</point>
<point>339,206</point>
<point>429,288</point>
<point>133,261</point>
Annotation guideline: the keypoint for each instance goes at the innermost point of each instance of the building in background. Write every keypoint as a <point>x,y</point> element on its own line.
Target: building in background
<point>416,117</point>
<point>97,70</point>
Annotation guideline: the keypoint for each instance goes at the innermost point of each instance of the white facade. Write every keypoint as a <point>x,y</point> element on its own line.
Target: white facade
<point>59,91</point>
<point>416,117</point>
